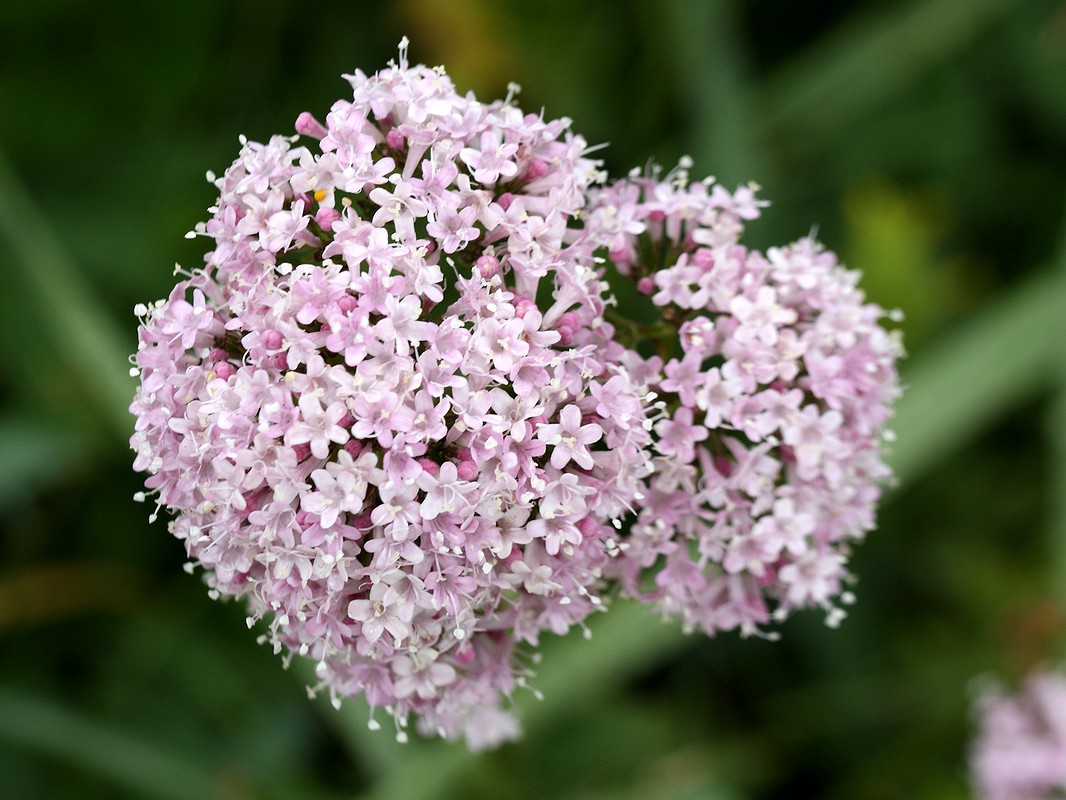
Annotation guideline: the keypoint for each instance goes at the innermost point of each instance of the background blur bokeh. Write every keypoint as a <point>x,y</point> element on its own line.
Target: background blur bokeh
<point>924,139</point>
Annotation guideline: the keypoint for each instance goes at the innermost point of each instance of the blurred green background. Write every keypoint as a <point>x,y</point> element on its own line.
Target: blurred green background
<point>924,139</point>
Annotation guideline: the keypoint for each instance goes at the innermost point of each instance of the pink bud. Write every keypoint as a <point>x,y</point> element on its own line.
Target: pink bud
<point>395,140</point>
<point>588,527</point>
<point>769,576</point>
<point>252,502</point>
<point>488,266</point>
<point>703,258</point>
<point>326,217</point>
<point>646,286</point>
<point>522,305</point>
<point>536,169</point>
<point>509,559</point>
<point>307,125</point>
<point>466,470</point>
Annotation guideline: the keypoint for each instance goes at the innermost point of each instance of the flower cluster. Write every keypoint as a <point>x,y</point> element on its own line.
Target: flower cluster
<point>407,473</point>
<point>400,414</point>
<point>774,381</point>
<point>1020,750</point>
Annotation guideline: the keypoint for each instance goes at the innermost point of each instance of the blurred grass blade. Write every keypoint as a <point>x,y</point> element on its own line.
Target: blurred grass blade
<point>33,453</point>
<point>969,378</point>
<point>47,728</point>
<point>84,337</point>
<point>375,751</point>
<point>624,642</point>
<point>1056,424</point>
<point>43,594</point>
<point>1056,438</point>
<point>704,39</point>
<point>861,65</point>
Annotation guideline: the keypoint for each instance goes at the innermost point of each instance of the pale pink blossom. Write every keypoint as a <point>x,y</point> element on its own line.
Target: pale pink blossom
<point>349,418</point>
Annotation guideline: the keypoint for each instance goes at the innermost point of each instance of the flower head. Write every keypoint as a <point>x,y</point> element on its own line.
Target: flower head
<point>777,384</point>
<point>1020,749</point>
<point>398,413</point>
<point>361,422</point>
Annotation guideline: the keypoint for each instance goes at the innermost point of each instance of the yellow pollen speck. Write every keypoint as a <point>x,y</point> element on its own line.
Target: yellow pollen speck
<point>320,195</point>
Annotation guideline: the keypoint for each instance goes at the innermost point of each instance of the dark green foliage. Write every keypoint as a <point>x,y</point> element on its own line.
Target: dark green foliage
<point>924,139</point>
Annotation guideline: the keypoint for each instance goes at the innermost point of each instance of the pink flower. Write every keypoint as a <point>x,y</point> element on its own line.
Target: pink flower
<point>318,426</point>
<point>1019,752</point>
<point>760,318</point>
<point>454,230</point>
<point>491,160</point>
<point>342,416</point>
<point>569,439</point>
<point>678,437</point>
<point>394,412</point>
<point>445,492</point>
<point>790,374</point>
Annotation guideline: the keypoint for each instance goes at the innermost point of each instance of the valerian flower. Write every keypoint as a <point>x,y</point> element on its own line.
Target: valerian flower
<point>1019,752</point>
<point>400,414</point>
<point>773,381</point>
<point>360,421</point>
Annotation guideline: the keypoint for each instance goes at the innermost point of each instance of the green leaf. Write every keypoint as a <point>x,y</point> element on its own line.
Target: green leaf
<point>1056,438</point>
<point>622,643</point>
<point>1056,428</point>
<point>704,43</point>
<point>861,65</point>
<point>895,236</point>
<point>47,728</point>
<point>574,676</point>
<point>967,379</point>
<point>83,337</point>
<point>44,593</point>
<point>33,453</point>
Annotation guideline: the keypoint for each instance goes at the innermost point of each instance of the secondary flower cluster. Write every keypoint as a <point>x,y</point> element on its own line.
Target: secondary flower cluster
<point>400,413</point>
<point>1020,751</point>
<point>774,391</point>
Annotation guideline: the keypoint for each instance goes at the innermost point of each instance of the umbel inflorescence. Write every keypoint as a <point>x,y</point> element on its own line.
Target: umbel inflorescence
<point>401,413</point>
<point>1019,752</point>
